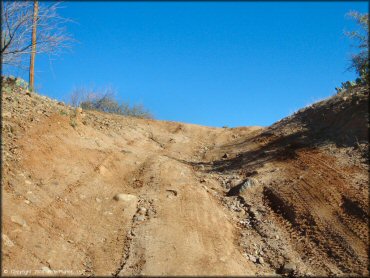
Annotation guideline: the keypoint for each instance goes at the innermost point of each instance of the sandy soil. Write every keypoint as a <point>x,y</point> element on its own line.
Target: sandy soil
<point>304,211</point>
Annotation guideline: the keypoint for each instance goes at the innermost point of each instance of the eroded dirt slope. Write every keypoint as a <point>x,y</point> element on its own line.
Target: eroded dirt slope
<point>87,193</point>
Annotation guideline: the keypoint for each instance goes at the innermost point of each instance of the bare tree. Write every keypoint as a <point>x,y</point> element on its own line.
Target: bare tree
<point>17,21</point>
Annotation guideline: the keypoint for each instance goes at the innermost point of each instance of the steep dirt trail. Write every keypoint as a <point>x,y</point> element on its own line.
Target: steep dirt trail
<point>98,194</point>
<point>66,183</point>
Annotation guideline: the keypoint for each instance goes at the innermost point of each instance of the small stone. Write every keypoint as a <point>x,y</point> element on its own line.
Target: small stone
<point>129,236</point>
<point>7,241</point>
<point>139,218</point>
<point>252,258</point>
<point>46,269</point>
<point>27,202</point>
<point>261,260</point>
<point>236,190</point>
<point>18,220</point>
<point>98,200</point>
<point>288,268</point>
<point>124,197</point>
<point>226,155</point>
<point>142,210</point>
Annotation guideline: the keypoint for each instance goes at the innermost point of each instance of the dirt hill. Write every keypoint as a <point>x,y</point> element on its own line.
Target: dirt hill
<point>88,193</point>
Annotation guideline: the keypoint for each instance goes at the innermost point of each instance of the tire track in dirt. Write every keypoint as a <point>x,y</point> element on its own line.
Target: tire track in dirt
<point>321,204</point>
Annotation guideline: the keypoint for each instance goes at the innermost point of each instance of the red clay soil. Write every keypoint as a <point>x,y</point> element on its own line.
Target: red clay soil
<point>88,193</point>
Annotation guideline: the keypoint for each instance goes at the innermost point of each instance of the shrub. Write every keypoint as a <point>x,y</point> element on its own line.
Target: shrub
<point>14,83</point>
<point>348,85</point>
<point>104,100</point>
<point>360,61</point>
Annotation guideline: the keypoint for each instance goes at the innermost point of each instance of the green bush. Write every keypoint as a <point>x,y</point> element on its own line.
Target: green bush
<point>10,83</point>
<point>360,61</point>
<point>348,85</point>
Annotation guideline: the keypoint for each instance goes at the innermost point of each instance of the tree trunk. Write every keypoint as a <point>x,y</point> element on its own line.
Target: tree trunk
<point>33,53</point>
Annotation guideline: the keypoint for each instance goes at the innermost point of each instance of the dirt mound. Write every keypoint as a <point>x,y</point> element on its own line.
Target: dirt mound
<point>341,119</point>
<point>88,193</point>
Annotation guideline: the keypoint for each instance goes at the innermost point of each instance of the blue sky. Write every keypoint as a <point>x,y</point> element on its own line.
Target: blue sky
<point>209,63</point>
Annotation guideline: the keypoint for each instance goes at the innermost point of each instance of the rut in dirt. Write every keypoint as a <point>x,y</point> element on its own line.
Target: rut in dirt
<point>167,198</point>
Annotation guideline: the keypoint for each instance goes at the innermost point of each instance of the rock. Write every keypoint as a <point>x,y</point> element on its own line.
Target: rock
<point>252,258</point>
<point>98,200</point>
<point>139,218</point>
<point>249,182</point>
<point>7,241</point>
<point>27,202</point>
<point>46,269</point>
<point>236,190</point>
<point>124,197</point>
<point>226,155</point>
<point>142,210</point>
<point>261,260</point>
<point>18,220</point>
<point>288,268</point>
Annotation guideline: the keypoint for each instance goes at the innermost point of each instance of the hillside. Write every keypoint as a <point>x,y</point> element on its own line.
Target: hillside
<point>88,193</point>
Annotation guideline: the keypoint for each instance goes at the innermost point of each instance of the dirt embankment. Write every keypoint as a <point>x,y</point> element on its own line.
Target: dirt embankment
<point>87,193</point>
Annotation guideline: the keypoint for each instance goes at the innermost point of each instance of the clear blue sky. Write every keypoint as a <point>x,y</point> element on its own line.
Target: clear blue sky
<point>210,63</point>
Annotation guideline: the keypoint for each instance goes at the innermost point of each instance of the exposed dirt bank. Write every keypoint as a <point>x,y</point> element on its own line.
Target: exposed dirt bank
<point>291,198</point>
